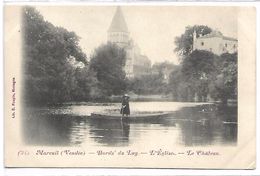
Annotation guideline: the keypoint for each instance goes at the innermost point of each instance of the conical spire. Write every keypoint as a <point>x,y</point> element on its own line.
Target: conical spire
<point>118,23</point>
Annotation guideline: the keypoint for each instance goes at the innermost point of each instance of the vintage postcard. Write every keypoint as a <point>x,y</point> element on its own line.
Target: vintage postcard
<point>130,86</point>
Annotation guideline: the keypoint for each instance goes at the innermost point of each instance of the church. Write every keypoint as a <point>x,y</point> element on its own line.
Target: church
<point>215,42</point>
<point>136,64</point>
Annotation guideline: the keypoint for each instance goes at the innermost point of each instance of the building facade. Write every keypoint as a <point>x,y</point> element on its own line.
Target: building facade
<point>118,33</point>
<point>215,42</point>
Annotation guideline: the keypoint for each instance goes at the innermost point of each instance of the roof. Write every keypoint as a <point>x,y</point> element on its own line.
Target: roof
<point>118,23</point>
<point>229,38</point>
<point>217,34</point>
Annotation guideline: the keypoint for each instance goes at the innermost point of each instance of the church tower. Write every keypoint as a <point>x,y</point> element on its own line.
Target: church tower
<point>118,34</point>
<point>118,31</point>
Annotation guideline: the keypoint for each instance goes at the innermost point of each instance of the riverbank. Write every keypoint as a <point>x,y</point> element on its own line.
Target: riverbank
<point>188,124</point>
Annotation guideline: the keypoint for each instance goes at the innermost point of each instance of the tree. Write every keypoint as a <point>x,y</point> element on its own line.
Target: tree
<point>108,62</point>
<point>198,69</point>
<point>154,83</point>
<point>86,85</point>
<point>193,77</point>
<point>224,86</point>
<point>148,84</point>
<point>202,73</point>
<point>48,74</point>
<point>177,85</point>
<point>163,66</point>
<point>185,41</point>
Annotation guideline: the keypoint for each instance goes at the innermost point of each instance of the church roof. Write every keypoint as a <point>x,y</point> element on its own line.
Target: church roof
<point>118,23</point>
<point>229,38</point>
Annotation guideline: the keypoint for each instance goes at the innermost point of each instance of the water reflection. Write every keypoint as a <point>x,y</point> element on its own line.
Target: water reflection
<point>196,133</point>
<point>111,132</point>
<point>230,133</point>
<point>78,131</point>
<point>208,125</point>
<point>44,130</point>
<point>188,126</point>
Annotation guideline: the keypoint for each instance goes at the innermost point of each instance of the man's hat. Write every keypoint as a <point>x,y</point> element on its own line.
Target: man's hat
<point>126,95</point>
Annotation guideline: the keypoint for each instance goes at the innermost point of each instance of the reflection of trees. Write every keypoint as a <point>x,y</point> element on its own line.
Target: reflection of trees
<point>78,131</point>
<point>196,133</point>
<point>40,128</point>
<point>110,131</point>
<point>230,132</point>
<point>200,125</point>
<point>205,125</point>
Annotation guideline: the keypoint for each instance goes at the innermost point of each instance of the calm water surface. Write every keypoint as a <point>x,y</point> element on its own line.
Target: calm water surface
<point>190,124</point>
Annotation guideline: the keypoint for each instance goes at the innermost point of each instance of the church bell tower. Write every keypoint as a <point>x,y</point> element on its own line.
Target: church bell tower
<point>118,31</point>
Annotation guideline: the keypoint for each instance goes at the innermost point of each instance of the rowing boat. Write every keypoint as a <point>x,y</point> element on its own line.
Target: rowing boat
<point>132,116</point>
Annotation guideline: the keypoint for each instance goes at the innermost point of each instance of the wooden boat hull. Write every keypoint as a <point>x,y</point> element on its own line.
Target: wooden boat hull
<point>132,116</point>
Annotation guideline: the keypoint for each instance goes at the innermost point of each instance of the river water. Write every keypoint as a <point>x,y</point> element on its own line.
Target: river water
<point>190,124</point>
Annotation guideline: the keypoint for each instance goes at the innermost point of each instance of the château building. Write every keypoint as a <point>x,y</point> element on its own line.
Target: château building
<point>215,42</point>
<point>118,33</point>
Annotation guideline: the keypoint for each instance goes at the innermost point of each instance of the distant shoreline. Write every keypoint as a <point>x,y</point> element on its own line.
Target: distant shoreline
<point>133,98</point>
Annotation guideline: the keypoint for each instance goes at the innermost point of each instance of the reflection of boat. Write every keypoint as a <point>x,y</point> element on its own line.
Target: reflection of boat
<point>110,132</point>
<point>132,116</point>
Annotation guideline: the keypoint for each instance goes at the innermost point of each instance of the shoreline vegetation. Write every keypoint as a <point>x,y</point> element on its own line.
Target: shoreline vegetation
<point>199,112</point>
<point>143,98</point>
<point>57,71</point>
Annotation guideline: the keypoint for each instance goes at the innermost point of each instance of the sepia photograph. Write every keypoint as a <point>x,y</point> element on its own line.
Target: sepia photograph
<point>128,81</point>
<point>183,88</point>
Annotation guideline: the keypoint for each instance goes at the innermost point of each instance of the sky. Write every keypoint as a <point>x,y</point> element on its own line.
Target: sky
<point>153,28</point>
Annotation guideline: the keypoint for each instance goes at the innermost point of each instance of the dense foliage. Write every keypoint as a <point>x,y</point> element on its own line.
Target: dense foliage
<point>184,42</point>
<point>108,62</point>
<point>56,70</point>
<point>147,84</point>
<point>193,77</point>
<point>51,58</point>
<point>203,76</point>
<point>154,83</point>
<point>224,85</point>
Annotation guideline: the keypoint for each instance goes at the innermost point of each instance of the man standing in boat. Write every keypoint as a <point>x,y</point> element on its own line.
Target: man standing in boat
<point>125,109</point>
